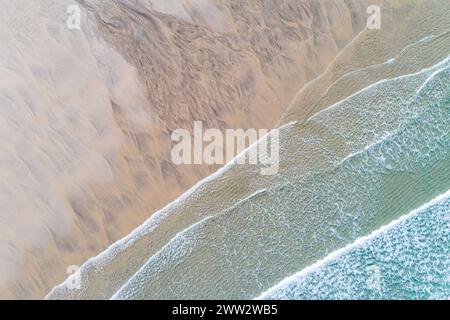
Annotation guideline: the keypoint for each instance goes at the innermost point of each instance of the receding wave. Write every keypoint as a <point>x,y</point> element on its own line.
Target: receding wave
<point>295,223</point>
<point>377,153</point>
<point>407,259</point>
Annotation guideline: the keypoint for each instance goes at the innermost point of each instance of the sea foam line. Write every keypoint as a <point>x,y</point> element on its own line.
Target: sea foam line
<point>373,85</point>
<point>159,252</point>
<point>356,244</point>
<point>387,62</point>
<point>321,75</point>
<point>158,217</point>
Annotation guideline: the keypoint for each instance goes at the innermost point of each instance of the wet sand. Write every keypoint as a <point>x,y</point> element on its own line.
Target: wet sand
<point>346,75</point>
<point>87,114</point>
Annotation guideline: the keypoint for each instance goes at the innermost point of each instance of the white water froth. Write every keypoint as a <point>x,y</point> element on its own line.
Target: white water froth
<point>181,241</point>
<point>356,244</point>
<point>158,218</point>
<point>383,81</point>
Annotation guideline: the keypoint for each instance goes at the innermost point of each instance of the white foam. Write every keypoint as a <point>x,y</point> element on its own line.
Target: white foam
<point>356,244</point>
<point>372,66</point>
<point>184,10</point>
<point>158,217</point>
<point>156,255</point>
<point>170,7</point>
<point>391,134</point>
<point>56,121</point>
<point>373,85</point>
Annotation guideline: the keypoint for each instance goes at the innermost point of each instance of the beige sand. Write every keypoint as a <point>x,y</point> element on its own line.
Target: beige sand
<point>405,25</point>
<point>346,75</point>
<point>87,115</point>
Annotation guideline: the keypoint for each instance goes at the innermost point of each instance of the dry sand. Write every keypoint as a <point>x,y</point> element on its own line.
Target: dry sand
<point>86,115</point>
<point>366,60</point>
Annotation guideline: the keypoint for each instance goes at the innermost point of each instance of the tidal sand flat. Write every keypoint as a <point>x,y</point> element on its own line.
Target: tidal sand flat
<point>86,112</point>
<point>361,146</point>
<point>299,220</point>
<point>92,91</point>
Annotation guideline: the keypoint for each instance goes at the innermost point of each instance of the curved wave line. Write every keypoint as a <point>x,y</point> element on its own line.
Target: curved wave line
<point>356,244</point>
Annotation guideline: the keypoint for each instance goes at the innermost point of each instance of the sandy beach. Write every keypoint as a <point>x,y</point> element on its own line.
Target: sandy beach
<point>87,114</point>
<point>347,169</point>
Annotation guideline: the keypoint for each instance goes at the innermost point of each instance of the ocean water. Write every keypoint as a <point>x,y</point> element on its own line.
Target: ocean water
<point>378,152</point>
<point>407,259</point>
<point>397,158</point>
<point>346,172</point>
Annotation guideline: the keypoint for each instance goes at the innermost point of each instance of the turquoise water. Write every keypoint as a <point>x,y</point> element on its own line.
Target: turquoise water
<point>355,167</point>
<point>409,259</point>
<point>395,157</point>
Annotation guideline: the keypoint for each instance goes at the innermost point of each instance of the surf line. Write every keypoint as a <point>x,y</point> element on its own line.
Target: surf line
<point>356,244</point>
<point>154,221</point>
<point>179,238</point>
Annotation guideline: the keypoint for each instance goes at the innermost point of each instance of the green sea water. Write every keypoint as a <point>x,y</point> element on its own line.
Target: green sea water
<point>378,151</point>
<point>394,157</point>
<point>408,259</point>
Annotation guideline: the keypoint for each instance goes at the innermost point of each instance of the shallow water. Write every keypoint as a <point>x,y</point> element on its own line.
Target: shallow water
<point>377,151</point>
<point>253,245</point>
<point>408,259</point>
